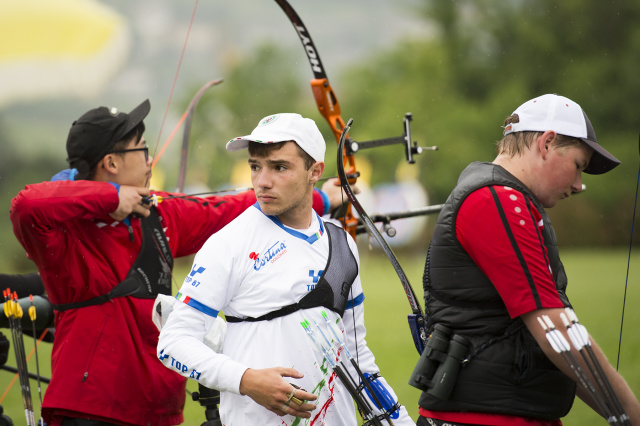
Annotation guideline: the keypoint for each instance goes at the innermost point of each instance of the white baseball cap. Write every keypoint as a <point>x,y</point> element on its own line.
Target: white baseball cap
<point>282,128</point>
<point>565,117</point>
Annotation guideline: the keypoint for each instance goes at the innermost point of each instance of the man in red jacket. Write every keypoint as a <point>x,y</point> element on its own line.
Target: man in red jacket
<point>104,253</point>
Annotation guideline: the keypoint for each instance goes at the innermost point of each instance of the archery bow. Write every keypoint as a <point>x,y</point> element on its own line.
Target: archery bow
<point>330,109</point>
<point>325,100</point>
<point>416,319</point>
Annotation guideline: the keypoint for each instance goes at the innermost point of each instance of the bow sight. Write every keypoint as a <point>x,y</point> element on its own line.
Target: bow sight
<point>411,148</point>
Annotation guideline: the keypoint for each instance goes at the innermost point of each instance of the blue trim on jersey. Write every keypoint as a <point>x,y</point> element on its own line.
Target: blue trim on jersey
<point>355,302</point>
<point>202,308</point>
<point>310,239</point>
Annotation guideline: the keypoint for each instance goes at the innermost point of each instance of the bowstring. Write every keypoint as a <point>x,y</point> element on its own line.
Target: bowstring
<point>175,78</point>
<point>353,309</point>
<point>626,281</point>
<point>164,118</point>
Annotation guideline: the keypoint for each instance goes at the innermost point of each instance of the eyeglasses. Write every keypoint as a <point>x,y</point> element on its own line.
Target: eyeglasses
<point>145,149</point>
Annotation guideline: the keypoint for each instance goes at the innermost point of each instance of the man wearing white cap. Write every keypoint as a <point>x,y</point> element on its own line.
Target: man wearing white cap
<point>493,268</point>
<point>276,266</point>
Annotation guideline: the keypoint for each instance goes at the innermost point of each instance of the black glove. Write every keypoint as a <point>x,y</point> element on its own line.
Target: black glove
<point>4,419</point>
<point>23,284</point>
<point>4,349</point>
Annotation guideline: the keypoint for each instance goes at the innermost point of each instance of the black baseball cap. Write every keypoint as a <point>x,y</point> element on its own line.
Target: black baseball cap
<point>94,135</point>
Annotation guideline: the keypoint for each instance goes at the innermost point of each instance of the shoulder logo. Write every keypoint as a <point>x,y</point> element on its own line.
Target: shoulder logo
<point>191,278</point>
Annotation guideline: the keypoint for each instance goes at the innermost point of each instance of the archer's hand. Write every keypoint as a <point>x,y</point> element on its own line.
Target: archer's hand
<point>131,202</point>
<point>334,191</point>
<point>268,388</point>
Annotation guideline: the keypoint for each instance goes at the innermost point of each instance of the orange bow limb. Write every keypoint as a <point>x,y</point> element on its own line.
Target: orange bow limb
<point>330,109</point>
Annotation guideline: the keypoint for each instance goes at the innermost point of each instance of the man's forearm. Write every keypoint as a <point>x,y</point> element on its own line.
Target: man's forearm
<point>181,348</point>
<point>629,402</point>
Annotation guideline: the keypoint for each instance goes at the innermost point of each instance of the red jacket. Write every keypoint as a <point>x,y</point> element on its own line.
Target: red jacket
<point>104,357</point>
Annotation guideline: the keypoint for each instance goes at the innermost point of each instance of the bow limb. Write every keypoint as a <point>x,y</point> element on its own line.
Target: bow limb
<point>326,102</point>
<point>416,319</point>
<point>184,156</point>
<point>187,118</point>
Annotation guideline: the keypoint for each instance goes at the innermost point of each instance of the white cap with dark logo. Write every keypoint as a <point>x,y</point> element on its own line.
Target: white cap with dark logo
<point>282,128</point>
<point>565,117</point>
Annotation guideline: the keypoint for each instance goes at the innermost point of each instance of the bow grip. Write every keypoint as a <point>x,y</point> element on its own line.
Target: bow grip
<point>418,332</point>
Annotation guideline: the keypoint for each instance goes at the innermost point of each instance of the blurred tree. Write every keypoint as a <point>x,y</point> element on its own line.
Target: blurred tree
<point>15,173</point>
<point>571,46</point>
<point>487,58</point>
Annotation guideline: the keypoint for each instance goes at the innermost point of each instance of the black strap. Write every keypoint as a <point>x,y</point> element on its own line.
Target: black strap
<point>516,248</point>
<point>125,288</point>
<point>149,275</point>
<point>268,317</point>
<point>515,327</point>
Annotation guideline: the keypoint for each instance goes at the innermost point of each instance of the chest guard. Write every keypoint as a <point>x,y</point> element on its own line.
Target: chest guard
<point>334,285</point>
<point>149,275</point>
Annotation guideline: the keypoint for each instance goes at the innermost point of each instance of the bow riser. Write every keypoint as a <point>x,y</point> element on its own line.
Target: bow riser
<point>330,109</point>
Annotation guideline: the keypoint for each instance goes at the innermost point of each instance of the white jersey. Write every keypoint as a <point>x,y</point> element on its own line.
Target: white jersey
<point>253,266</point>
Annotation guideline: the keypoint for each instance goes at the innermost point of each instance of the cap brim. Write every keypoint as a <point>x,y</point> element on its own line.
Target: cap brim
<point>601,161</point>
<point>137,115</point>
<point>242,142</point>
<point>238,144</point>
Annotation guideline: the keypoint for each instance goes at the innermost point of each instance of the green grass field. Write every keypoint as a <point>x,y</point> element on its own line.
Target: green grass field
<point>596,289</point>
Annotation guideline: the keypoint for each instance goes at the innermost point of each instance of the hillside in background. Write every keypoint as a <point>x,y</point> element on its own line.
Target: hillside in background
<point>221,34</point>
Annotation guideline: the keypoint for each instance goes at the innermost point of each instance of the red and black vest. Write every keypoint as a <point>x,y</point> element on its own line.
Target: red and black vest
<point>507,372</point>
